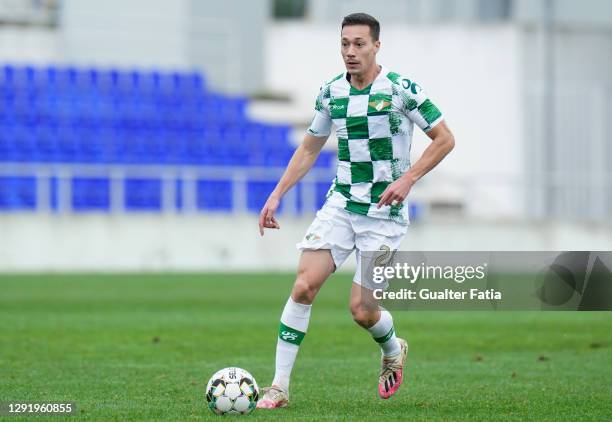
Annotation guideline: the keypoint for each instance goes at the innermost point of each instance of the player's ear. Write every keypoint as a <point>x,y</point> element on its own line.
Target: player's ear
<point>376,46</point>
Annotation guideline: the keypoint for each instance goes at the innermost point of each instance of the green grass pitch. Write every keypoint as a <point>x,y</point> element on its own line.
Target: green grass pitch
<point>141,347</point>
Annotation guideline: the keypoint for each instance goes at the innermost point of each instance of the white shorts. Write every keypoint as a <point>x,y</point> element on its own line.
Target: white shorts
<point>342,232</point>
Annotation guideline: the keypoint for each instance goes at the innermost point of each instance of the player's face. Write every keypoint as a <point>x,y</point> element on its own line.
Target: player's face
<point>358,49</point>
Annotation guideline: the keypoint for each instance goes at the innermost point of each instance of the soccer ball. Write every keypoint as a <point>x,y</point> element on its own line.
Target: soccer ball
<point>232,390</point>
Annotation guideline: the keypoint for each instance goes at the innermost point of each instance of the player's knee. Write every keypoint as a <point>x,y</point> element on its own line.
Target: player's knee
<point>304,289</point>
<point>363,315</point>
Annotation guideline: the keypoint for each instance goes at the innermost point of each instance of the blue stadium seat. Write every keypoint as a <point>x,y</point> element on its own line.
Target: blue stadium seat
<point>66,114</point>
<point>8,149</point>
<point>325,159</point>
<point>258,192</point>
<point>7,75</point>
<point>91,194</point>
<point>62,79</point>
<point>196,150</point>
<point>321,190</point>
<point>47,144</point>
<point>231,109</point>
<point>67,142</point>
<point>25,144</point>
<point>143,194</point>
<point>17,193</point>
<point>214,195</point>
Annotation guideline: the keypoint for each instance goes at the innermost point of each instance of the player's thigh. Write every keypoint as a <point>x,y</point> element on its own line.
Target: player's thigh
<point>376,241</point>
<point>331,230</point>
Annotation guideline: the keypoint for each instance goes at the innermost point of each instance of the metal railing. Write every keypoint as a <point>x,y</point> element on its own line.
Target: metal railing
<point>568,162</point>
<point>189,176</point>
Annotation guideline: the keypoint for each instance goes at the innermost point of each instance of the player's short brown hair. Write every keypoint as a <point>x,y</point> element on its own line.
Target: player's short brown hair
<point>363,19</point>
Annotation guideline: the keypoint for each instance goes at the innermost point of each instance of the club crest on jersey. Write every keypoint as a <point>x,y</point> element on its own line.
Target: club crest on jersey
<point>379,105</point>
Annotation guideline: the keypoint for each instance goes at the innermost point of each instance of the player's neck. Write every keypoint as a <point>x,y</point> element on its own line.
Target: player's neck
<point>365,79</point>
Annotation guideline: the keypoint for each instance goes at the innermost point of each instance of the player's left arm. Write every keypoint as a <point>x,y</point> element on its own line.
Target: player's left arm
<point>442,143</point>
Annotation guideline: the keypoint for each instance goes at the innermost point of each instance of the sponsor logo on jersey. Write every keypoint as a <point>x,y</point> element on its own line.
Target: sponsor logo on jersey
<point>336,106</point>
<point>414,87</point>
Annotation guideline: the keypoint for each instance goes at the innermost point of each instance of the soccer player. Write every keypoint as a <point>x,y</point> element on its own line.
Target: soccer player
<point>374,111</point>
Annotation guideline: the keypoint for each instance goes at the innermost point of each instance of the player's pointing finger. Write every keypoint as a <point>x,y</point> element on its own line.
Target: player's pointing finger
<point>384,198</point>
<point>262,217</point>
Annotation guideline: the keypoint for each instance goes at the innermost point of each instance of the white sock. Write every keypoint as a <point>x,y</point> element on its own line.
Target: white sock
<point>384,334</point>
<point>293,326</point>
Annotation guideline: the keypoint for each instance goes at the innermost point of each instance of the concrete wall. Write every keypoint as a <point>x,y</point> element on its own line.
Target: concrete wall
<point>583,14</point>
<point>567,12</point>
<point>219,243</point>
<point>568,139</point>
<point>226,40</point>
<point>223,39</point>
<point>29,45</point>
<point>147,33</point>
<point>408,11</point>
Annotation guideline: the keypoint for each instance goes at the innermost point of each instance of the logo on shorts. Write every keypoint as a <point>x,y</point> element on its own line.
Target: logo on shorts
<point>385,256</point>
<point>311,237</point>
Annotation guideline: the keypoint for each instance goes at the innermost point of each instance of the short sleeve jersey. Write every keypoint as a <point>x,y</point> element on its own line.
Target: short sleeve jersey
<point>374,128</point>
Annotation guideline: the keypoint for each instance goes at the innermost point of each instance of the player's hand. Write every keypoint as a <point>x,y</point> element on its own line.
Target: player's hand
<point>266,217</point>
<point>396,192</point>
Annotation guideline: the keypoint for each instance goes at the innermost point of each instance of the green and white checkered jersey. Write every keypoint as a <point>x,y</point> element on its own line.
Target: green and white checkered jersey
<point>374,127</point>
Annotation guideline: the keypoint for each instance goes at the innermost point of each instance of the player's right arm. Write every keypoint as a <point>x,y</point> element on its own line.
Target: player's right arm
<point>302,160</point>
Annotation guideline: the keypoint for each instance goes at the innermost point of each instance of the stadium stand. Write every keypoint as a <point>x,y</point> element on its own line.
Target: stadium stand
<point>76,118</point>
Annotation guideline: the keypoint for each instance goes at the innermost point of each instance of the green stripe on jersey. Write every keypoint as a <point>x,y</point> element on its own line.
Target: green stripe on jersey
<point>377,189</point>
<point>393,77</point>
<point>395,210</point>
<point>335,78</point>
<point>357,207</point>
<point>345,190</point>
<point>381,149</point>
<point>357,127</point>
<point>362,172</point>
<point>338,107</point>
<point>395,124</point>
<point>429,112</point>
<point>364,91</point>
<point>290,335</point>
<point>343,150</point>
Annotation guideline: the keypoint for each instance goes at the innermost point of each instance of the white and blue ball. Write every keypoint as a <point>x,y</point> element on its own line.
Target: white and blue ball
<point>232,390</point>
